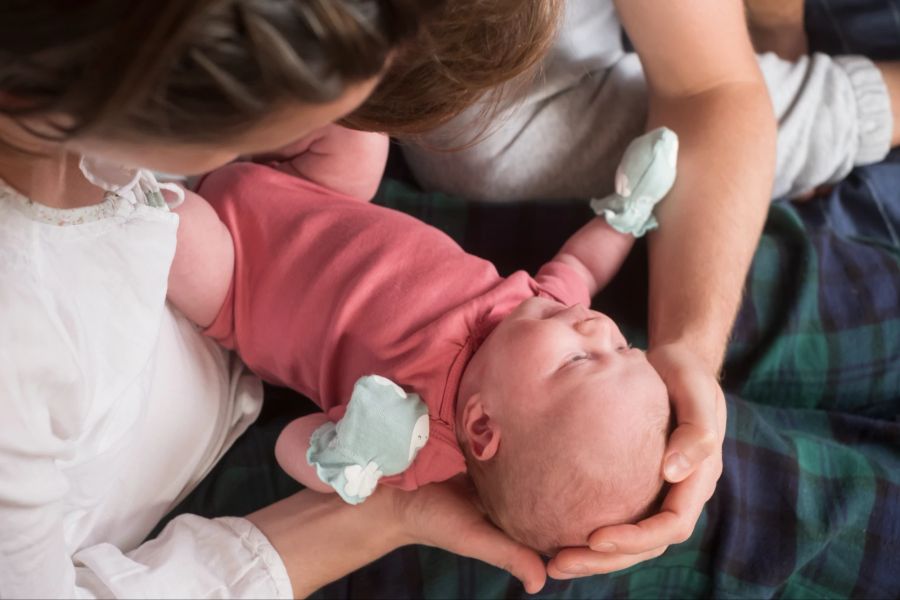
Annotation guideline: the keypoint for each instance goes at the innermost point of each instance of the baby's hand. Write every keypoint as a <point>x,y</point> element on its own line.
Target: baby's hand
<point>344,160</point>
<point>380,433</point>
<point>290,451</point>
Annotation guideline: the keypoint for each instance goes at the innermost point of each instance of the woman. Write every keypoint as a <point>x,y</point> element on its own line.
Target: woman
<point>113,406</point>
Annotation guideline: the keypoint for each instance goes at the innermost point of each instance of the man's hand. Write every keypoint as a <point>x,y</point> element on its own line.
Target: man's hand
<point>444,515</point>
<point>704,83</point>
<point>699,406</point>
<point>693,464</point>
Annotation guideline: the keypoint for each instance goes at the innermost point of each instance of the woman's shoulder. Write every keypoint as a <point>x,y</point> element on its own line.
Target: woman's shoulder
<point>42,379</point>
<point>21,216</point>
<point>80,307</point>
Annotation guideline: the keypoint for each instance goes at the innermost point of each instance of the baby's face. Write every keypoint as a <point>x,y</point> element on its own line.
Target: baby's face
<point>559,357</point>
<point>582,421</point>
<point>576,403</point>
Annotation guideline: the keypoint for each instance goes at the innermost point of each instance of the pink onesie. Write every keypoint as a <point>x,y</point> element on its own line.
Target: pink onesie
<point>327,289</point>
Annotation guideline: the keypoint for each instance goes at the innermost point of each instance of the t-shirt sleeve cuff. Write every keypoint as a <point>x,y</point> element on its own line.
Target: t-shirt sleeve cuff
<point>563,283</point>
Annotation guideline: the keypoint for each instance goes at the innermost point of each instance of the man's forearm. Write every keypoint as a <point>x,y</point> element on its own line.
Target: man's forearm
<point>711,222</point>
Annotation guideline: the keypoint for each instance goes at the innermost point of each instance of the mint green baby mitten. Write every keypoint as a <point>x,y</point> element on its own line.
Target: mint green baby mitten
<point>645,175</point>
<point>380,434</point>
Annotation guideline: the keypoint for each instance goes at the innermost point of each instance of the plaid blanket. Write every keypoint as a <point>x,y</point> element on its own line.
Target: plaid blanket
<point>808,505</point>
<point>809,502</point>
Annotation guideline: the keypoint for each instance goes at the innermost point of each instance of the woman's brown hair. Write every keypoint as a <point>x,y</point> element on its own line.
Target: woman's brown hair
<point>193,71</point>
<point>203,70</point>
<point>464,53</point>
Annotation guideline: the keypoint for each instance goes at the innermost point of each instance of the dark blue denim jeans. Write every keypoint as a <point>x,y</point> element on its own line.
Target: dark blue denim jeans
<point>868,27</point>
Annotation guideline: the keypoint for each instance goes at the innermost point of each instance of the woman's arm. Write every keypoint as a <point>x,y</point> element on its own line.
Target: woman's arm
<point>306,541</point>
<point>705,85</point>
<point>321,538</point>
<point>43,400</point>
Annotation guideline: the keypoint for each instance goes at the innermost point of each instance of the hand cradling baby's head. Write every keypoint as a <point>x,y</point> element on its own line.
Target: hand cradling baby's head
<point>564,425</point>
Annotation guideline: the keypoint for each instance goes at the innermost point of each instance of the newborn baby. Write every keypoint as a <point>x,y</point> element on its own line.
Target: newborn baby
<point>560,424</point>
<point>563,425</point>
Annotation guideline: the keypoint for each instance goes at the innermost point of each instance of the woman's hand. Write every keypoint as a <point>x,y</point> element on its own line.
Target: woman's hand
<point>320,538</point>
<point>444,515</point>
<point>693,463</point>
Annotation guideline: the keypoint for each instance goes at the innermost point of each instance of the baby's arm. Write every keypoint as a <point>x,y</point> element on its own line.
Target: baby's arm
<point>596,252</point>
<point>198,285</point>
<point>204,261</point>
<point>644,177</point>
<point>344,160</point>
<point>291,447</point>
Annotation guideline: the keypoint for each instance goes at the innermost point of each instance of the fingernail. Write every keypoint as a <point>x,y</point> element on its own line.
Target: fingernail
<point>604,547</point>
<point>576,569</point>
<point>676,466</point>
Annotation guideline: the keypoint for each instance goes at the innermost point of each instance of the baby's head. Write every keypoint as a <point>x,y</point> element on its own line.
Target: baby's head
<point>563,425</point>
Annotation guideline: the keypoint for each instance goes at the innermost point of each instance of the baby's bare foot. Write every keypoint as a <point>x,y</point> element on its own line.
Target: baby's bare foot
<point>777,26</point>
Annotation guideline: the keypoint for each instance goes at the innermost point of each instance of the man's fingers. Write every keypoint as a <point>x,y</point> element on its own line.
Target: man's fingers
<point>696,439</point>
<point>579,562</point>
<point>689,445</point>
<point>662,529</point>
<point>621,546</point>
<point>694,396</point>
<point>672,525</point>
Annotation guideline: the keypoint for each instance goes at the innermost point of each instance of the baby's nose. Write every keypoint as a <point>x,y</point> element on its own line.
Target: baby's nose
<point>574,314</point>
<point>597,327</point>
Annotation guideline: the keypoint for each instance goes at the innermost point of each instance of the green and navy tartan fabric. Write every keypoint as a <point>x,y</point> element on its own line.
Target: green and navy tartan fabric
<point>808,505</point>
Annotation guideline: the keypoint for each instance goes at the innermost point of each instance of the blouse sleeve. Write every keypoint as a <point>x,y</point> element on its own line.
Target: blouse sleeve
<point>193,557</point>
<point>44,399</point>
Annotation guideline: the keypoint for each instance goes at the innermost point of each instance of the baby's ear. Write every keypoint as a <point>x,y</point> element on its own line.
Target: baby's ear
<point>481,431</point>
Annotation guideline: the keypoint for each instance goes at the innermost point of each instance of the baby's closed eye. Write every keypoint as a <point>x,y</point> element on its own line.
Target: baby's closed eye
<point>578,357</point>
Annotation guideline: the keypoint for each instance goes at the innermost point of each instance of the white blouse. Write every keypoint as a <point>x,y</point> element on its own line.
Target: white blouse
<point>112,408</point>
